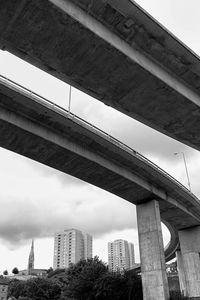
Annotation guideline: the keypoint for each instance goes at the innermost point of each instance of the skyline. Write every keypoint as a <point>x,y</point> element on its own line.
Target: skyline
<point>32,249</point>
<point>40,192</point>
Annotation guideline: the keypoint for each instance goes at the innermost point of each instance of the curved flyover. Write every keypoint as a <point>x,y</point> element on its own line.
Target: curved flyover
<point>41,130</point>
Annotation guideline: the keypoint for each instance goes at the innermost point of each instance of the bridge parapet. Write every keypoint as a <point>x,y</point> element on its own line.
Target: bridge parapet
<point>41,130</point>
<point>114,51</point>
<point>140,30</point>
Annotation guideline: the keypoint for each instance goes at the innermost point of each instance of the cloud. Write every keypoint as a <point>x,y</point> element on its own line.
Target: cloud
<point>83,208</point>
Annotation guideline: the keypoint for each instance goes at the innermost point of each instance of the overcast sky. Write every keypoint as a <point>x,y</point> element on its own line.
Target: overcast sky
<point>36,201</point>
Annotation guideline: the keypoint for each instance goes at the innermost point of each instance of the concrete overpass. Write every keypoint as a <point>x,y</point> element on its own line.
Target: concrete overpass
<point>114,51</point>
<point>36,128</point>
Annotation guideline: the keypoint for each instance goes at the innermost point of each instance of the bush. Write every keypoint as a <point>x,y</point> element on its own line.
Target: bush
<point>15,271</point>
<point>87,280</point>
<point>111,286</point>
<point>134,282</point>
<point>176,295</point>
<point>81,278</point>
<point>35,289</point>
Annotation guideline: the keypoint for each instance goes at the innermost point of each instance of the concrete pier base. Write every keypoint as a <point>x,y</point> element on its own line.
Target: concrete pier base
<point>190,249</point>
<point>154,277</point>
<point>181,273</point>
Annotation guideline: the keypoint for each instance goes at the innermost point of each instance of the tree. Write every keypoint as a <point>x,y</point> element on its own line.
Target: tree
<point>15,270</point>
<point>50,270</point>
<point>111,286</point>
<point>17,288</point>
<point>90,279</point>
<point>35,289</point>
<point>40,288</point>
<point>172,267</point>
<point>134,282</point>
<point>56,273</point>
<point>5,272</point>
<point>82,277</point>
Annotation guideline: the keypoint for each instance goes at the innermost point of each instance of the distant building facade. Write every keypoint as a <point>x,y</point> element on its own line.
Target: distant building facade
<point>120,255</point>
<point>32,273</point>
<point>132,255</point>
<point>3,289</point>
<point>87,246</point>
<point>70,246</point>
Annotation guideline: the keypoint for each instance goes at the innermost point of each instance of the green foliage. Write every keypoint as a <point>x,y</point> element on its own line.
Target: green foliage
<point>91,280</point>
<point>5,272</point>
<point>50,270</point>
<point>82,278</point>
<point>176,295</point>
<point>134,285</point>
<point>111,286</point>
<point>172,267</point>
<point>57,273</point>
<point>87,280</point>
<point>15,271</point>
<point>35,289</point>
<point>16,288</point>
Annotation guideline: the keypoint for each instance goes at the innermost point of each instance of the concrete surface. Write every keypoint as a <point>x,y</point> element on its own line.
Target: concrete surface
<point>190,249</point>
<point>181,272</point>
<point>113,51</point>
<point>153,269</point>
<point>40,130</point>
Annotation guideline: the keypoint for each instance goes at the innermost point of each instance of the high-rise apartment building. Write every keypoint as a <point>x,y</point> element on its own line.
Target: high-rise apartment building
<point>70,246</point>
<point>131,254</point>
<point>87,246</point>
<point>120,255</point>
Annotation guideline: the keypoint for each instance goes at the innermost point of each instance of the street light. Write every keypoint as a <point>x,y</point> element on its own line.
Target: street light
<point>186,169</point>
<point>70,95</point>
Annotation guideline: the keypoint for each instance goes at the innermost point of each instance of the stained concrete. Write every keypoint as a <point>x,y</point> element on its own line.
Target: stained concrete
<point>181,272</point>
<point>40,130</point>
<point>190,249</point>
<point>153,269</point>
<point>113,51</point>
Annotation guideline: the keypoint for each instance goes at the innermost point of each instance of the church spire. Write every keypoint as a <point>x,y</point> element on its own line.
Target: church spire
<point>31,259</point>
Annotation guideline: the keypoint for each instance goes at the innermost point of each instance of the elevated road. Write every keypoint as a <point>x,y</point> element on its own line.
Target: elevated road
<point>36,128</point>
<point>114,51</point>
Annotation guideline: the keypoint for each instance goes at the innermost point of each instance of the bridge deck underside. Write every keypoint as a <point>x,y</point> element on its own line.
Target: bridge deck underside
<point>46,36</point>
<point>52,39</point>
<point>49,153</point>
<point>35,131</point>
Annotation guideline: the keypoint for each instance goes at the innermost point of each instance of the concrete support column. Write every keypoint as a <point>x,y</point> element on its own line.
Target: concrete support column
<point>154,276</point>
<point>190,249</point>
<point>181,272</point>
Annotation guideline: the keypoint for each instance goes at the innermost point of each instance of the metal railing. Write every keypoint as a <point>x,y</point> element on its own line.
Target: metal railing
<point>62,111</point>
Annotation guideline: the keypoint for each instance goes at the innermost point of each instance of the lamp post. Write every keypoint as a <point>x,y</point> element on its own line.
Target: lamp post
<point>70,95</point>
<point>186,169</point>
